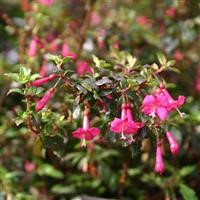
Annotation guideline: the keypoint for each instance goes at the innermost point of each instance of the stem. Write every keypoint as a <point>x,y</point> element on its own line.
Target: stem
<point>85,26</point>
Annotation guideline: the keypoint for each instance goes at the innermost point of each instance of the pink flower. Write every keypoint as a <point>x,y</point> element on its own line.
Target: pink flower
<point>53,46</point>
<point>143,21</point>
<point>33,47</point>
<point>66,51</point>
<point>44,80</point>
<point>197,81</point>
<point>174,146</point>
<point>43,68</point>
<point>86,133</point>
<point>159,164</point>
<point>46,2</point>
<point>45,99</point>
<point>178,55</point>
<point>29,166</point>
<point>173,104</point>
<point>125,124</point>
<point>95,19</point>
<point>155,106</point>
<point>82,68</point>
<point>170,12</point>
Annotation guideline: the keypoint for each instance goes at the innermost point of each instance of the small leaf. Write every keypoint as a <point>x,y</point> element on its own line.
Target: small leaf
<point>17,90</point>
<point>48,170</point>
<point>186,170</point>
<point>103,81</point>
<point>187,192</point>
<point>131,60</point>
<point>161,58</point>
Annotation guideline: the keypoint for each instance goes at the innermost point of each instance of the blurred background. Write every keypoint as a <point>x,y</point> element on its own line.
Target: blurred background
<point>141,27</point>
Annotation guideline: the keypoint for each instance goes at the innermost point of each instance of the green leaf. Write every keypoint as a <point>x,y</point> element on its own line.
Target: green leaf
<point>186,170</point>
<point>55,58</point>
<point>100,63</point>
<point>161,58</point>
<point>17,90</point>
<point>48,170</point>
<point>187,192</point>
<point>62,189</point>
<point>34,76</point>
<point>131,60</point>
<point>170,63</point>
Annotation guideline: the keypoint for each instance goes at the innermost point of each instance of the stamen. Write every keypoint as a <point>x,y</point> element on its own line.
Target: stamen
<point>182,114</point>
<point>83,143</point>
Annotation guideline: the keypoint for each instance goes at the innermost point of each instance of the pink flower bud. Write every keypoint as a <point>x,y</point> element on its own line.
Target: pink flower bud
<point>44,80</point>
<point>29,166</point>
<point>174,146</point>
<point>42,102</point>
<point>46,2</point>
<point>33,47</point>
<point>159,164</point>
<point>86,125</point>
<point>82,68</point>
<point>123,112</point>
<point>43,68</point>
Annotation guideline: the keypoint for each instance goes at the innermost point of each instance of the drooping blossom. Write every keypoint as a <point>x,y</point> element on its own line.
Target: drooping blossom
<point>82,68</point>
<point>172,103</point>
<point>46,2</point>
<point>197,82</point>
<point>170,12</point>
<point>66,52</point>
<point>43,69</point>
<point>143,21</point>
<point>155,106</point>
<point>53,47</point>
<point>125,124</point>
<point>45,99</point>
<point>29,166</point>
<point>159,164</point>
<point>174,146</point>
<point>95,19</point>
<point>178,55</point>
<point>44,80</point>
<point>86,132</point>
<point>33,47</point>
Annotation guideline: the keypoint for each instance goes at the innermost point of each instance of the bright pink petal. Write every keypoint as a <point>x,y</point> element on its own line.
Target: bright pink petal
<point>162,113</point>
<point>180,101</point>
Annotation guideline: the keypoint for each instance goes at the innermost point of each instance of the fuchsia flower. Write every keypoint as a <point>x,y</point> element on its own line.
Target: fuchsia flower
<point>197,81</point>
<point>86,133</point>
<point>174,146</point>
<point>46,2</point>
<point>125,124</point>
<point>155,106</point>
<point>95,19</point>
<point>33,47</point>
<point>172,104</point>
<point>161,103</point>
<point>143,21</point>
<point>29,166</point>
<point>159,164</point>
<point>45,99</point>
<point>44,80</point>
<point>178,55</point>
<point>82,68</point>
<point>43,69</point>
<point>67,52</point>
<point>170,12</point>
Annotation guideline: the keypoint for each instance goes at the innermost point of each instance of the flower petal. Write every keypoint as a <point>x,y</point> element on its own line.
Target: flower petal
<point>162,113</point>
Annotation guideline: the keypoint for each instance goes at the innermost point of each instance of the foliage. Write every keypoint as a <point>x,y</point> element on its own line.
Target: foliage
<point>102,53</point>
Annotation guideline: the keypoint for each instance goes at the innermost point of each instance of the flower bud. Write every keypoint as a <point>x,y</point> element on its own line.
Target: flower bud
<point>42,102</point>
<point>159,164</point>
<point>174,146</point>
<point>44,80</point>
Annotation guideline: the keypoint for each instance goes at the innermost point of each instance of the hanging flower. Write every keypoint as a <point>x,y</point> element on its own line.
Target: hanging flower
<point>44,80</point>
<point>159,164</point>
<point>174,146</point>
<point>33,47</point>
<point>66,52</point>
<point>45,99</point>
<point>155,106</point>
<point>86,133</point>
<point>125,124</point>
<point>82,68</point>
<point>46,2</point>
